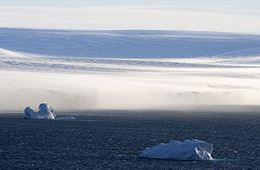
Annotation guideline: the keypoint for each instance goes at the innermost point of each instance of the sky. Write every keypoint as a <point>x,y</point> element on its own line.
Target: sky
<point>241,3</point>
<point>239,16</point>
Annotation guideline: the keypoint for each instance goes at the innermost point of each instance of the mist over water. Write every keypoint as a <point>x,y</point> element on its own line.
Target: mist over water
<point>74,91</point>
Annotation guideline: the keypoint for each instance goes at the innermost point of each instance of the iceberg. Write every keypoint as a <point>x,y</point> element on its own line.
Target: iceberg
<point>187,150</point>
<point>45,112</point>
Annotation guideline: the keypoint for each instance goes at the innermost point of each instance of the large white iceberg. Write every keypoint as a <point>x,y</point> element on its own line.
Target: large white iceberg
<point>177,150</point>
<point>45,112</point>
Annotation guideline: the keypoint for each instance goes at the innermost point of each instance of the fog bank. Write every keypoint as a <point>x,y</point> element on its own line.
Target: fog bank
<point>71,91</point>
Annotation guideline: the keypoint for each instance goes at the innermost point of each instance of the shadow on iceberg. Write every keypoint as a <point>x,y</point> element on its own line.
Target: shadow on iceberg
<point>45,112</point>
<point>188,150</point>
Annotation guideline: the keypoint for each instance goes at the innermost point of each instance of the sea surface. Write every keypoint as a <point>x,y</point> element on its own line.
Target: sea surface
<point>114,139</point>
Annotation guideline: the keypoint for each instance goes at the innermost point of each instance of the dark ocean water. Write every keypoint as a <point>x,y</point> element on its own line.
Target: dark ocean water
<point>108,140</point>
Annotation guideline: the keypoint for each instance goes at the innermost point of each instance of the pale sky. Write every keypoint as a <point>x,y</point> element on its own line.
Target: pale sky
<point>241,3</point>
<point>240,16</point>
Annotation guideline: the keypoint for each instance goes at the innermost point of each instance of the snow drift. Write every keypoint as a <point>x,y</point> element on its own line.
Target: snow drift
<point>177,150</point>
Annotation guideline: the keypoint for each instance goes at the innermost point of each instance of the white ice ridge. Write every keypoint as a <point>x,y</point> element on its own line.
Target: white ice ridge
<point>176,150</point>
<point>45,112</point>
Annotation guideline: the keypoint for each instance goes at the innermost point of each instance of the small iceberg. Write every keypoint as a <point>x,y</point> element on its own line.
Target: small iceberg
<point>66,118</point>
<point>187,150</point>
<point>45,112</point>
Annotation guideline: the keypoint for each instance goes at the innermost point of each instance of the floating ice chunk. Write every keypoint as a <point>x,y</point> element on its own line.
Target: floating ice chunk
<point>67,118</point>
<point>177,150</point>
<point>45,112</point>
<point>28,113</point>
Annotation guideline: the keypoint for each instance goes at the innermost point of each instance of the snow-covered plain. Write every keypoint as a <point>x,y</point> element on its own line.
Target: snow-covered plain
<point>81,70</point>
